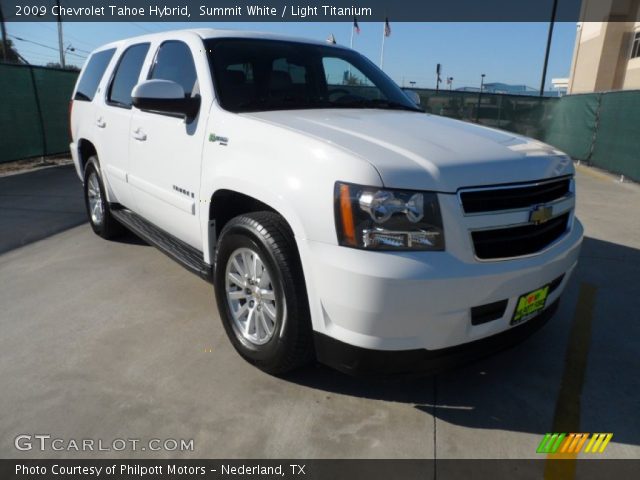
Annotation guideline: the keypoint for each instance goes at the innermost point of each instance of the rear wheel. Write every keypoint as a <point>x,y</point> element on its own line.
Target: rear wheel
<point>261,292</point>
<point>100,218</point>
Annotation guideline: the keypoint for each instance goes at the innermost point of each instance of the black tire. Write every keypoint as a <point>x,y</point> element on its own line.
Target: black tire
<point>267,233</point>
<point>107,226</point>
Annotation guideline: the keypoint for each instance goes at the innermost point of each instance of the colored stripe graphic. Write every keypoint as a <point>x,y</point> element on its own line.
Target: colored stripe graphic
<point>543,444</point>
<point>573,442</point>
<point>568,442</point>
<point>606,442</point>
<point>581,442</point>
<point>557,443</point>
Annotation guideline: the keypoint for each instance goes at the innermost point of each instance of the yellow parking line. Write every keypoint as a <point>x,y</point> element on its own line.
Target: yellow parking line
<point>566,419</point>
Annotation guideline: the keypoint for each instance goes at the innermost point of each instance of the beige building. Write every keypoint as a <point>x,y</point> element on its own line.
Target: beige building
<point>607,54</point>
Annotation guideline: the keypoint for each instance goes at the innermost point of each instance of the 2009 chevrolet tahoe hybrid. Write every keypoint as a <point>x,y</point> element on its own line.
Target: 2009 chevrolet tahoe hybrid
<point>336,220</point>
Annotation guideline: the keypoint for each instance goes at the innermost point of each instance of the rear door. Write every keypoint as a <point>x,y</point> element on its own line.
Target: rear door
<point>165,151</point>
<point>83,111</point>
<point>113,118</point>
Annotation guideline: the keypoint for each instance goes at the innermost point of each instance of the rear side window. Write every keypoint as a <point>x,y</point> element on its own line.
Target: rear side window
<point>92,74</point>
<point>126,75</point>
<point>174,62</point>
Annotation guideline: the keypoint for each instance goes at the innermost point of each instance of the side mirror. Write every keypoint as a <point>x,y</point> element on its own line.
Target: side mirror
<point>165,96</point>
<point>413,96</point>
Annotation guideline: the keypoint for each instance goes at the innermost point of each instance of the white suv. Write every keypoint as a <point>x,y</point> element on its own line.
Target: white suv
<point>336,220</point>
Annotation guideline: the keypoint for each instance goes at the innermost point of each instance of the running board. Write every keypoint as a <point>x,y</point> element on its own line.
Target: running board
<point>185,255</point>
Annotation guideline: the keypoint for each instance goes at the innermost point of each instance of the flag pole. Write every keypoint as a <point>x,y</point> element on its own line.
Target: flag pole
<point>384,31</point>
<point>351,42</point>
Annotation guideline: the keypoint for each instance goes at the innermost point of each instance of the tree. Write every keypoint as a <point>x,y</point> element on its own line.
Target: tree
<point>72,68</point>
<point>12,53</point>
<point>350,79</point>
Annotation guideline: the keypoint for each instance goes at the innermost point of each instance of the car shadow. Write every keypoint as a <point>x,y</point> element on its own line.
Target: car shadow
<point>518,388</point>
<point>38,204</point>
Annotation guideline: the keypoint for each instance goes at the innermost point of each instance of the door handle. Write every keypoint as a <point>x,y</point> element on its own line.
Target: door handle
<point>138,134</point>
<point>100,123</point>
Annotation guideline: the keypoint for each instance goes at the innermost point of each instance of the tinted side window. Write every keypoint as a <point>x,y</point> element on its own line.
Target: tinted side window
<point>174,62</point>
<point>126,76</point>
<point>297,73</point>
<point>88,83</point>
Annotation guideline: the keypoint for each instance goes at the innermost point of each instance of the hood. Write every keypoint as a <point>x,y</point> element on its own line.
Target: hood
<point>419,151</point>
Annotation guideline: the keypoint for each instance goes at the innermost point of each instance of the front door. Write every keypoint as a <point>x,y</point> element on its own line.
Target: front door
<point>165,153</point>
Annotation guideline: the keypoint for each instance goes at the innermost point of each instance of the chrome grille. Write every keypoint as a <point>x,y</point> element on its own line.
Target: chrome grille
<point>518,241</point>
<point>523,231</point>
<point>514,196</point>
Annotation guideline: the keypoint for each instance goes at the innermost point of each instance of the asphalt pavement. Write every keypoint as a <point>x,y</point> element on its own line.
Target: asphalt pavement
<point>36,205</point>
<point>111,339</point>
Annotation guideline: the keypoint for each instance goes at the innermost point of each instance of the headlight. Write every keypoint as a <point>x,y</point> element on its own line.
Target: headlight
<point>381,219</point>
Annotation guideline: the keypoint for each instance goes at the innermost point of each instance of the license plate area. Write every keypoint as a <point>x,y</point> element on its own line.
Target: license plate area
<point>529,305</point>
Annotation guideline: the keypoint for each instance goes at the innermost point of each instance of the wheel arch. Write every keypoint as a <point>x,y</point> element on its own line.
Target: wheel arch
<point>227,202</point>
<point>86,149</point>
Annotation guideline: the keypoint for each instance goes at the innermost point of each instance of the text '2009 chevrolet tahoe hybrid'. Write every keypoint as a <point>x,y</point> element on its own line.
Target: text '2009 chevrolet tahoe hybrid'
<point>336,220</point>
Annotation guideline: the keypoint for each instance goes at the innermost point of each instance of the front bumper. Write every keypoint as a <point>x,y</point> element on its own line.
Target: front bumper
<point>422,301</point>
<point>362,361</point>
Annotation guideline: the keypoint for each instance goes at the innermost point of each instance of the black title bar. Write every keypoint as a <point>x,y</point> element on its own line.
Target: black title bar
<point>317,10</point>
<point>309,469</point>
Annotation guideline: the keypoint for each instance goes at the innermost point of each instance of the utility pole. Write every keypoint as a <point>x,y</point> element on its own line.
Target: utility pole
<point>550,37</point>
<point>60,43</point>
<point>5,43</point>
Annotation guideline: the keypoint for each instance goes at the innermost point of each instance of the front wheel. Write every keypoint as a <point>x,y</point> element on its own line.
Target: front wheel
<point>261,292</point>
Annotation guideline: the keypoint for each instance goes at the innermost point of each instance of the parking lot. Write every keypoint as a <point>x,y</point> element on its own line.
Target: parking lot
<point>108,340</point>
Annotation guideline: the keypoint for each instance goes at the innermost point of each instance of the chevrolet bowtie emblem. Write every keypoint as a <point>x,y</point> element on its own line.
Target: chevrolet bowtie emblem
<point>541,214</point>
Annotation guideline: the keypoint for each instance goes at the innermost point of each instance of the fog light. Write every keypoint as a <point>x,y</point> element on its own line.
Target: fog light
<point>388,238</point>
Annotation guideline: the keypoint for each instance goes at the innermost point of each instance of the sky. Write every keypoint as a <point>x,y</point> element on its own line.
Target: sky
<point>511,53</point>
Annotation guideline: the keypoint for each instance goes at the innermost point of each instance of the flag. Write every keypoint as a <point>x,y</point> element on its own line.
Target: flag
<point>356,27</point>
<point>387,28</point>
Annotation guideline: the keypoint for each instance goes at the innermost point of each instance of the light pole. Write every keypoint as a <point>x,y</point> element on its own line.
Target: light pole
<point>479,97</point>
<point>450,81</point>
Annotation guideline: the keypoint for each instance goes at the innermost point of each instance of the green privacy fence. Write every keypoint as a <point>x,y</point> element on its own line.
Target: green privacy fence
<point>34,111</point>
<point>602,129</point>
<point>617,137</point>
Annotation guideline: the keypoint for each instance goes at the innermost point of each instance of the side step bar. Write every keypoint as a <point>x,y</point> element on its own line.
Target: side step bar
<point>185,255</point>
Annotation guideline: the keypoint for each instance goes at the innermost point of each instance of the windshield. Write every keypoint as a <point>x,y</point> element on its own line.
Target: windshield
<point>257,75</point>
